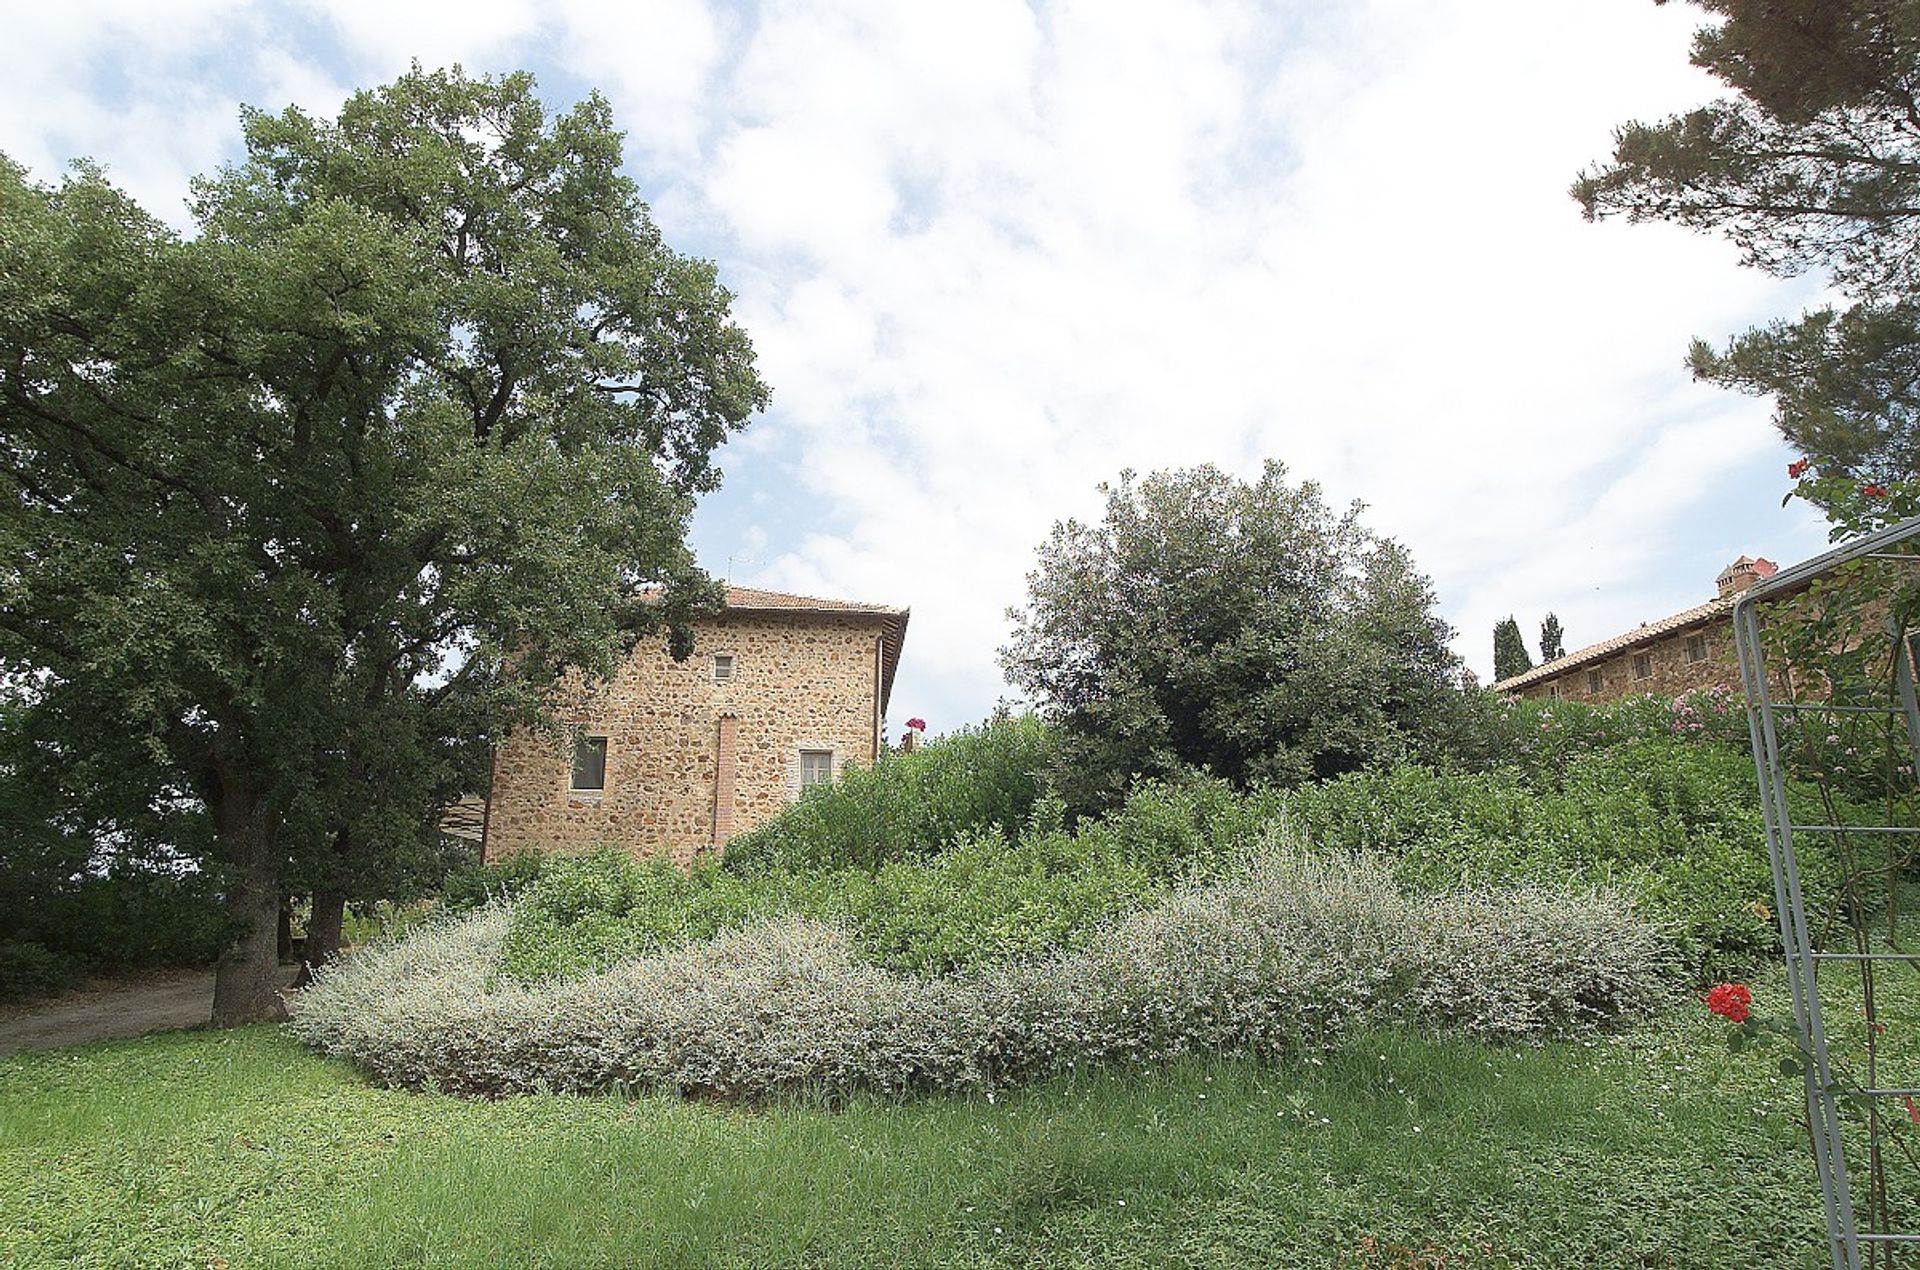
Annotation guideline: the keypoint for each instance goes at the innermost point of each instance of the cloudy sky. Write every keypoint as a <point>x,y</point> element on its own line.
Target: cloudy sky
<point>992,253</point>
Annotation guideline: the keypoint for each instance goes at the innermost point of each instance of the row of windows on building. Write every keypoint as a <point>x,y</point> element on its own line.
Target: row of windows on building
<point>1641,666</point>
<point>590,766</point>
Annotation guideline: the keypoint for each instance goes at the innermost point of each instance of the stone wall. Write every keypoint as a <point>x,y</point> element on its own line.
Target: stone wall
<point>801,681</point>
<point>1671,672</point>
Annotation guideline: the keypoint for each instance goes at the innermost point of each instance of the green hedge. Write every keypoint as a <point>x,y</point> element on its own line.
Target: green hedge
<point>987,897</point>
<point>1673,822</point>
<point>1647,795</point>
<point>907,805</point>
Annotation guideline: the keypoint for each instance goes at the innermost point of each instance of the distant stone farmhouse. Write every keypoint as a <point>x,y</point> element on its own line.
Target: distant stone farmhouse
<point>781,691</point>
<point>1692,649</point>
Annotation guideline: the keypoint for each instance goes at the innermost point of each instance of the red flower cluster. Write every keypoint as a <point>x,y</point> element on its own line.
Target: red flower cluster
<point>1732,1001</point>
<point>1798,469</point>
<point>1874,491</point>
<point>918,725</point>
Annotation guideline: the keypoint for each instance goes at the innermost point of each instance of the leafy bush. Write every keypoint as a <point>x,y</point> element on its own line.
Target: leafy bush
<point>60,929</point>
<point>907,805</point>
<point>1676,824</point>
<point>985,897</point>
<point>470,886</point>
<point>1282,957</point>
<point>31,970</point>
<point>1543,738</point>
<point>138,917</point>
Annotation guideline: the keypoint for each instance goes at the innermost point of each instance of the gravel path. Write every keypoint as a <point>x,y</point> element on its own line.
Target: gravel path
<point>154,1003</point>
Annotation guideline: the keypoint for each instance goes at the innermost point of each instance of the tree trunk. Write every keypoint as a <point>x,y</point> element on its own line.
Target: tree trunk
<point>246,982</point>
<point>323,933</point>
<point>283,938</point>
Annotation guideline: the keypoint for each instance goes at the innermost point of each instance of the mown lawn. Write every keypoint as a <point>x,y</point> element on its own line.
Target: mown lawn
<point>240,1149</point>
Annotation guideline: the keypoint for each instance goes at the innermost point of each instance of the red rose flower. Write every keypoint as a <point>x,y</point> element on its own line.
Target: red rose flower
<point>918,725</point>
<point>1796,470</point>
<point>1874,491</point>
<point>1732,1001</point>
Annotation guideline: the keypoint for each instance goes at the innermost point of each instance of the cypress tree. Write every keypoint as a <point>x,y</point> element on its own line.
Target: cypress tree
<point>1552,640</point>
<point>1510,656</point>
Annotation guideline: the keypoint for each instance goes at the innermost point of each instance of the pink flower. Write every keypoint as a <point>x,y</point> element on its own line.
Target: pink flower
<point>918,725</point>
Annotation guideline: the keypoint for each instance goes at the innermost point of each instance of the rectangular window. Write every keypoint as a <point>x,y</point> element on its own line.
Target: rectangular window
<point>723,668</point>
<point>1553,691</point>
<point>1642,665</point>
<point>1696,648</point>
<point>590,765</point>
<point>816,767</point>
<point>1595,681</point>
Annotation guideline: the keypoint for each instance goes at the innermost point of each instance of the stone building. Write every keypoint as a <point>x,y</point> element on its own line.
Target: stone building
<point>1691,649</point>
<point>675,757</point>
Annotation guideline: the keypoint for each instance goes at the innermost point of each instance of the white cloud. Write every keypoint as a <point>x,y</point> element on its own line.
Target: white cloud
<point>386,35</point>
<point>1188,237</point>
<point>993,253</point>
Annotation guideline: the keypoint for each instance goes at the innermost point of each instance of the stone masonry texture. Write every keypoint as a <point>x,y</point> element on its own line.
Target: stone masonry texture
<point>1671,673</point>
<point>800,681</point>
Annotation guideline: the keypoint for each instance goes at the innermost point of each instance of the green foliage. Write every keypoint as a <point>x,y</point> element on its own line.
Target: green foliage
<point>1673,822</point>
<point>1652,794</point>
<point>1552,639</point>
<point>908,805</point>
<point>122,918</point>
<point>482,882</point>
<point>1246,629</point>
<point>1542,737</point>
<point>131,918</point>
<point>986,897</point>
<point>1653,1148</point>
<point>313,502</point>
<point>1510,656</point>
<point>1283,956</point>
<point>29,969</point>
<point>1812,164</point>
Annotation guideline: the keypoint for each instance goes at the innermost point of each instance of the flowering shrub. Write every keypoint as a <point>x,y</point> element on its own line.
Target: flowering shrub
<point>1284,956</point>
<point>1731,1001</point>
<point>1852,506</point>
<point>1543,739</point>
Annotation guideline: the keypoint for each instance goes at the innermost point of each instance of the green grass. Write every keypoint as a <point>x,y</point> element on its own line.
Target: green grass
<point>198,1149</point>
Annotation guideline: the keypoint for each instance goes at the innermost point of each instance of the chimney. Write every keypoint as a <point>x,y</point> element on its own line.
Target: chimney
<point>1743,573</point>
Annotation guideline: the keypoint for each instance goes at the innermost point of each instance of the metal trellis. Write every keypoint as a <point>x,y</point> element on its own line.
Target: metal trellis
<point>1793,705</point>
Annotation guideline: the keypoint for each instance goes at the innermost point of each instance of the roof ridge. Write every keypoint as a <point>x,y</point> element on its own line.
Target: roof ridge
<point>1618,643</point>
<point>826,602</point>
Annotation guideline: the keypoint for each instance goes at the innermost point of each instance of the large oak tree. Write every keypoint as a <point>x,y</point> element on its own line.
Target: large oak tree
<point>305,506</point>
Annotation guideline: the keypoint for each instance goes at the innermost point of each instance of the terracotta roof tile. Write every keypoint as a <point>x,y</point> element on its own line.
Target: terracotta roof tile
<point>1646,632</point>
<point>892,622</point>
<point>753,598</point>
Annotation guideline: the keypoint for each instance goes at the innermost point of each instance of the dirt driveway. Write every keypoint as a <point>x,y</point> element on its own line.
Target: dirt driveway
<point>153,1003</point>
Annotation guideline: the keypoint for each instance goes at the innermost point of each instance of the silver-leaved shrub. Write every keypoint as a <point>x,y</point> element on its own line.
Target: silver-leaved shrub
<point>1281,958</point>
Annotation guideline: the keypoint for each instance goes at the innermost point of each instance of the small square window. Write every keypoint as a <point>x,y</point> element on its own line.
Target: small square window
<point>723,668</point>
<point>816,767</point>
<point>1595,681</point>
<point>590,765</point>
<point>1642,665</point>
<point>1696,648</point>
